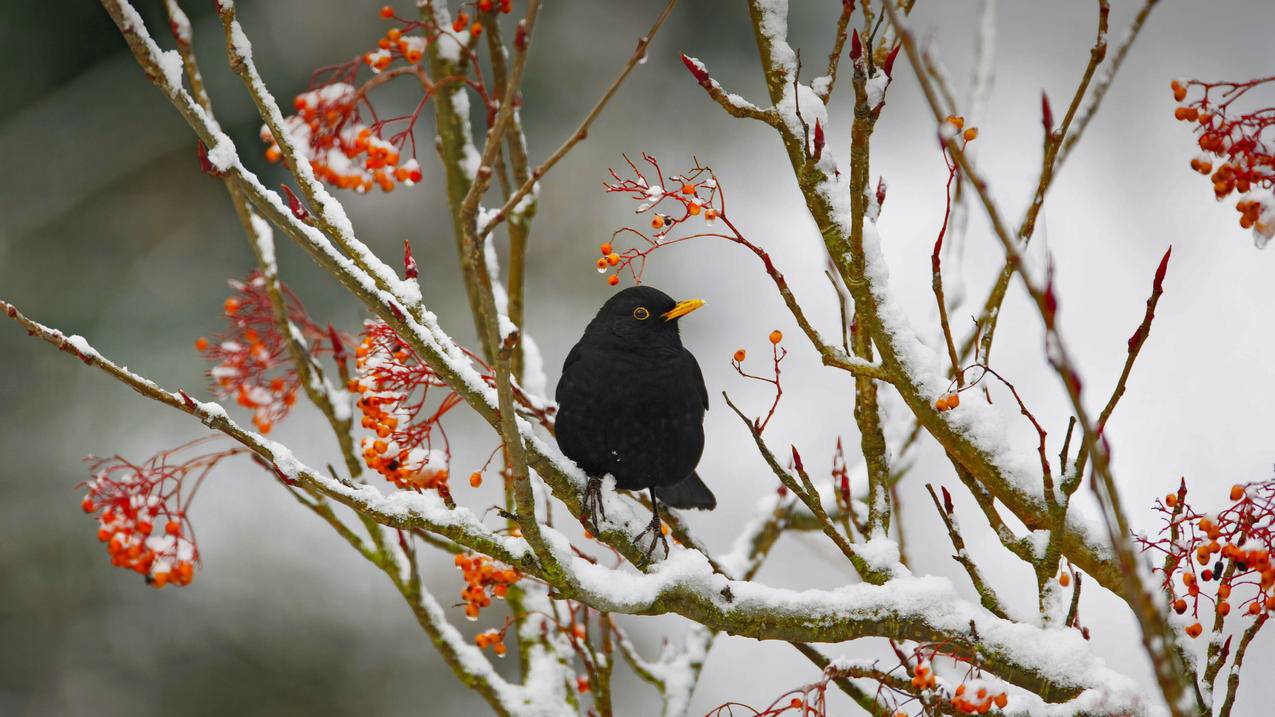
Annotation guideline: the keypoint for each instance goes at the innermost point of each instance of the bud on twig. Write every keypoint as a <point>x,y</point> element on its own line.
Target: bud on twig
<point>294,205</point>
<point>888,66</point>
<point>947,500</point>
<point>856,47</point>
<point>408,260</point>
<point>697,69</point>
<point>206,164</point>
<point>338,346</point>
<point>520,37</point>
<point>1046,113</point>
<point>796,459</point>
<point>819,140</point>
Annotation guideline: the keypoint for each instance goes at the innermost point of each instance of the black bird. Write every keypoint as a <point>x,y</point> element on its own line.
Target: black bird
<point>631,403</point>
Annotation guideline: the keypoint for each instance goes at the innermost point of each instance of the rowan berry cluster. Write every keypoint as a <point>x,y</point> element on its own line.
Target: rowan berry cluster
<point>955,124</point>
<point>1237,155</point>
<point>976,698</point>
<point>947,401</point>
<point>395,399</point>
<point>671,202</point>
<point>1223,559</point>
<point>484,579</point>
<point>778,354</point>
<point>342,150</point>
<point>250,359</point>
<point>493,638</point>
<point>141,511</point>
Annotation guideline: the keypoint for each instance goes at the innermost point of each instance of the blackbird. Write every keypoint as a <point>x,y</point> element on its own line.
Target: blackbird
<point>631,404</point>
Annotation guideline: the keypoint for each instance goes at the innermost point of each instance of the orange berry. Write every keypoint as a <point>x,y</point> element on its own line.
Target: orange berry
<point>688,188</point>
<point>1270,603</point>
<point>172,527</point>
<point>776,336</point>
<point>602,264</point>
<point>1179,93</point>
<point>960,689</point>
<point>231,306</point>
<point>273,153</point>
<point>794,703</point>
<point>578,630</point>
<point>613,259</point>
<point>201,343</point>
<point>500,649</point>
<point>710,214</point>
<point>954,400</point>
<point>1224,608</point>
<point>387,12</point>
<point>394,34</point>
<point>657,221</point>
<point>475,479</point>
<point>1001,700</point>
<point>1237,492</point>
<point>1179,606</point>
<point>476,29</point>
<point>1171,499</point>
<point>613,280</point>
<point>956,121</point>
<point>1064,579</point>
<point>970,134</point>
<point>693,209</point>
<point>1255,607</point>
<point>606,248</point>
<point>1194,629</point>
<point>739,355</point>
<point>940,403</point>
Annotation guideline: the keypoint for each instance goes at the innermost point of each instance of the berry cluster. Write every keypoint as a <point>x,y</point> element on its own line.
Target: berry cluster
<point>956,123</point>
<point>947,401</point>
<point>1237,155</point>
<point>131,500</point>
<point>484,579</point>
<point>493,638</point>
<point>394,397</point>
<point>250,359</point>
<point>341,149</point>
<point>1227,554</point>
<point>778,354</point>
<point>923,677</point>
<point>975,698</point>
<point>693,194</point>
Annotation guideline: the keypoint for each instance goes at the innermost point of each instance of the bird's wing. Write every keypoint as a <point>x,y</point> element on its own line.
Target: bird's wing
<point>572,356</point>
<point>699,378</point>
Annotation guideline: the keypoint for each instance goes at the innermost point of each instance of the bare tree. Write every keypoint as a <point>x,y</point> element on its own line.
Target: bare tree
<point>387,391</point>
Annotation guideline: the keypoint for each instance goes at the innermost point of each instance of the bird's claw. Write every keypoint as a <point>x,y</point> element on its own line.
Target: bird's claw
<point>591,505</point>
<point>656,529</point>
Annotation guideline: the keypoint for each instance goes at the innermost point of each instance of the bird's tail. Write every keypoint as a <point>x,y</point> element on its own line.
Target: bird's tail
<point>690,493</point>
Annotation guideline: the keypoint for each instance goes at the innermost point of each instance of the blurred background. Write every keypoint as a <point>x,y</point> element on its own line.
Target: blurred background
<point>108,229</point>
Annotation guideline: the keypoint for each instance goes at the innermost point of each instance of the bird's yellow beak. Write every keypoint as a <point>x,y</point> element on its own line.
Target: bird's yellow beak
<point>683,308</point>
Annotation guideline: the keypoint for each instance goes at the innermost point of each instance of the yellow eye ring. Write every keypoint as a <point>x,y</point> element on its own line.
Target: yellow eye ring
<point>641,314</point>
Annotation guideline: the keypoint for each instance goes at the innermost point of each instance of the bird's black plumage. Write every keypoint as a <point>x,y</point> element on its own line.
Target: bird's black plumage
<point>631,400</point>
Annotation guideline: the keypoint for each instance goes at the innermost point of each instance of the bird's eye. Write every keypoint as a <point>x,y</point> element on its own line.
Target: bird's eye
<point>641,314</point>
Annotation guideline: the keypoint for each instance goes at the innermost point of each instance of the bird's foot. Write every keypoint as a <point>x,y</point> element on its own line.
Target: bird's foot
<point>591,505</point>
<point>656,529</point>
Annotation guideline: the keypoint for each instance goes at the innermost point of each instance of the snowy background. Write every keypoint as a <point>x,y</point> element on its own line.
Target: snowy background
<point>108,229</point>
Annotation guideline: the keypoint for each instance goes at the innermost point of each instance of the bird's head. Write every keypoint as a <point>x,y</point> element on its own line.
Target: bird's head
<point>639,318</point>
